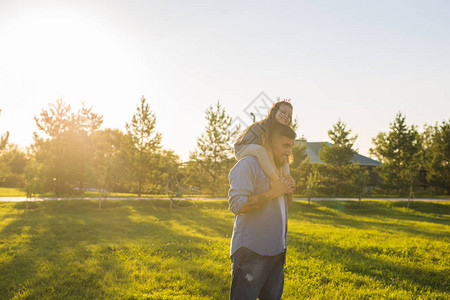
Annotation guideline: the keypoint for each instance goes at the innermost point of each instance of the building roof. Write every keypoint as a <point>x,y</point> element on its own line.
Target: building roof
<point>313,148</point>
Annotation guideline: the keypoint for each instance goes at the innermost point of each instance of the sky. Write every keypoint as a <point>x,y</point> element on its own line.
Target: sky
<point>360,62</point>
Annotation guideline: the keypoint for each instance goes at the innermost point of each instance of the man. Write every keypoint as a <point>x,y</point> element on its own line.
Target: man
<point>258,244</point>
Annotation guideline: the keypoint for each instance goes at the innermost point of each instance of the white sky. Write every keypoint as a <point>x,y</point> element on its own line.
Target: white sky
<point>358,61</point>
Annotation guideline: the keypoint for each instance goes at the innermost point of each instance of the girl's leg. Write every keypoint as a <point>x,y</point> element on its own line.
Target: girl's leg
<point>263,157</point>
<point>277,171</point>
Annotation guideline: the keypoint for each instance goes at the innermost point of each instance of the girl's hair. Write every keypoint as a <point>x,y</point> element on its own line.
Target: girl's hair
<point>267,123</point>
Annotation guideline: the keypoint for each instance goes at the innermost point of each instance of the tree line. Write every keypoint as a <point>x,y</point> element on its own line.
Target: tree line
<point>71,154</point>
<point>413,163</point>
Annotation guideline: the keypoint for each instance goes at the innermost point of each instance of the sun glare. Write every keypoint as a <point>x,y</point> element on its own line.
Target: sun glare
<point>67,52</point>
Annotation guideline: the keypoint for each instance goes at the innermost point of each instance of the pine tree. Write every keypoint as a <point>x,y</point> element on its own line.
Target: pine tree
<point>301,167</point>
<point>83,124</point>
<point>64,150</point>
<point>336,172</point>
<point>437,156</point>
<point>214,156</point>
<point>341,152</point>
<point>3,144</point>
<point>50,149</point>
<point>3,138</point>
<point>144,142</point>
<point>399,151</point>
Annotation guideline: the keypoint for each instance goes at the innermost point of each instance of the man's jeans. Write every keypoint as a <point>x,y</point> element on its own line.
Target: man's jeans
<point>254,275</point>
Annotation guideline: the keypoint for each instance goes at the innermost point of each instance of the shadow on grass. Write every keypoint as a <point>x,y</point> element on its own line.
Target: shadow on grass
<point>71,248</point>
<point>382,216</point>
<point>385,272</point>
<point>379,215</point>
<point>61,249</point>
<point>201,217</point>
<point>431,212</point>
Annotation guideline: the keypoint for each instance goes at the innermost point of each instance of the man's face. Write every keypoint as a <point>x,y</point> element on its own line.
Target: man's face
<point>281,148</point>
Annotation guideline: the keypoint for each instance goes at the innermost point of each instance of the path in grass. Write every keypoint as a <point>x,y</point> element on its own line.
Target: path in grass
<point>34,199</point>
<point>144,250</point>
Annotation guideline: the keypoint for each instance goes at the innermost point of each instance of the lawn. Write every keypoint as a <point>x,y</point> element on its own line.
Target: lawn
<point>11,192</point>
<point>17,192</point>
<point>142,249</point>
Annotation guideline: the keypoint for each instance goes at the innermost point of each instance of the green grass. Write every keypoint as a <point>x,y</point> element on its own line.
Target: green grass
<point>17,192</point>
<point>11,192</point>
<point>141,249</point>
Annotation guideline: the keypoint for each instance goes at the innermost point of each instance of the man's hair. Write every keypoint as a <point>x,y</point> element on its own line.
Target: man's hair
<point>279,129</point>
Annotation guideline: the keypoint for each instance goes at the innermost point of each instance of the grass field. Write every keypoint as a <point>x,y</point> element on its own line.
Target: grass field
<point>11,192</point>
<point>143,250</point>
<point>17,192</point>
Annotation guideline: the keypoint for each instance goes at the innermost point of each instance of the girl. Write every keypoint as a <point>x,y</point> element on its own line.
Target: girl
<point>254,139</point>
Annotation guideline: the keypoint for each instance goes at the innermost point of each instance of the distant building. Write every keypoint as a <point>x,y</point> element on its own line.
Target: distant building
<point>313,148</point>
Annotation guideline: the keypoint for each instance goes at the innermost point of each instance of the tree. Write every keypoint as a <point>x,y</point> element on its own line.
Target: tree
<point>194,178</point>
<point>213,157</point>
<point>3,138</point>
<point>109,160</point>
<point>12,166</point>
<point>341,152</point>
<point>360,181</point>
<point>166,175</point>
<point>313,182</point>
<point>436,143</point>
<point>301,167</point>
<point>336,172</point>
<point>50,149</point>
<point>64,148</point>
<point>144,142</point>
<point>84,124</point>
<point>399,151</point>
<point>295,124</point>
<point>32,183</point>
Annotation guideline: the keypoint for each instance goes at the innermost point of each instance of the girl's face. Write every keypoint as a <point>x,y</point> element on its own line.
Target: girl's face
<point>284,114</point>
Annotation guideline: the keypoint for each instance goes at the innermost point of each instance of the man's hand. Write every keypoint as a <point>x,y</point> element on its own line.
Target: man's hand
<point>278,188</point>
<point>290,182</point>
<point>290,194</point>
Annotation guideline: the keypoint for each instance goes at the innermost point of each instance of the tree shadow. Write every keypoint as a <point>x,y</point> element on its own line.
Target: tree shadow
<point>430,212</point>
<point>39,244</point>
<point>378,215</point>
<point>201,217</point>
<point>384,272</point>
<point>194,240</point>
